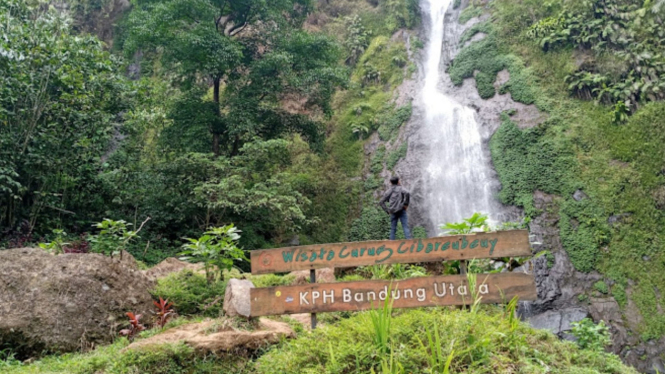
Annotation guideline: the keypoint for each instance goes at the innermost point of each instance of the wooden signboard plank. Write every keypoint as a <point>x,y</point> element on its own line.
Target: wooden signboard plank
<point>409,293</point>
<point>513,243</point>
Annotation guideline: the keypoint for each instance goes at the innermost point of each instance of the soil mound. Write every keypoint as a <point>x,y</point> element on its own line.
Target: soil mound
<point>63,303</point>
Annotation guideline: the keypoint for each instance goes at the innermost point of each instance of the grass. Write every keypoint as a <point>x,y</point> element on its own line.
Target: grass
<point>482,343</point>
<point>113,359</point>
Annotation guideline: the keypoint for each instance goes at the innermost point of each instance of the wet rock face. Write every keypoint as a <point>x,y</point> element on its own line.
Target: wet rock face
<point>66,302</point>
<point>560,285</point>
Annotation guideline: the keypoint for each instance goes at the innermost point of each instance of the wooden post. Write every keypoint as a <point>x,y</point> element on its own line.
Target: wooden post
<point>312,279</point>
<point>462,267</point>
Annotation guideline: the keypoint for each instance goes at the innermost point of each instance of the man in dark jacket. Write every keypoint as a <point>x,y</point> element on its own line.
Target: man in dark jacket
<point>398,201</point>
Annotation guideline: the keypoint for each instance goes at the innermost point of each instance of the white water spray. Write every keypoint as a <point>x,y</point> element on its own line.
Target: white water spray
<point>458,179</point>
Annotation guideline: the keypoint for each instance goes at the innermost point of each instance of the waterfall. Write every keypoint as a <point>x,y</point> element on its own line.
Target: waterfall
<point>457,175</point>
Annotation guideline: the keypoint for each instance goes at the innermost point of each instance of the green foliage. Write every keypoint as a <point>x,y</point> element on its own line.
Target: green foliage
<point>191,293</point>
<point>57,245</point>
<point>601,287</point>
<point>417,43</point>
<point>357,38</point>
<point>481,27</point>
<point>59,98</point>
<point>487,339</point>
<point>373,224</point>
<point>396,155</point>
<point>401,13</point>
<point>618,167</point>
<point>438,362</point>
<point>457,3</point>
<point>376,165</point>
<point>591,336</point>
<point>419,232</point>
<point>388,272</point>
<point>216,248</point>
<point>625,39</point>
<point>477,222</point>
<point>391,120</point>
<point>114,359</point>
<point>527,160</point>
<point>487,59</point>
<point>372,183</point>
<point>381,318</point>
<point>113,237</point>
<point>472,11</point>
<point>293,64</point>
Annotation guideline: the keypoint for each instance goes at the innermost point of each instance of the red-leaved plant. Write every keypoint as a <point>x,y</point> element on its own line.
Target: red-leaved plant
<point>135,326</point>
<point>164,311</point>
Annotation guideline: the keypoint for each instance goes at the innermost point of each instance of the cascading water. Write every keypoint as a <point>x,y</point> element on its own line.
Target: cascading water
<point>456,172</point>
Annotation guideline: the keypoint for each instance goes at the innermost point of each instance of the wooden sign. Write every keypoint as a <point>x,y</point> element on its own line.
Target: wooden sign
<point>409,293</point>
<point>514,243</point>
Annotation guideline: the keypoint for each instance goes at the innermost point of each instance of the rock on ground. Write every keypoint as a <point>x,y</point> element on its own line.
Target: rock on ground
<point>216,336</point>
<point>63,303</point>
<point>169,266</point>
<point>236,298</point>
<point>325,275</point>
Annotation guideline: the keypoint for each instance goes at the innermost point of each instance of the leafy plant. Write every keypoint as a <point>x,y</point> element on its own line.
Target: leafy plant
<point>57,246</point>
<point>477,222</point>
<point>113,237</point>
<point>8,358</point>
<point>390,366</point>
<point>217,248</point>
<point>590,335</point>
<point>357,38</point>
<point>381,319</point>
<point>164,312</point>
<point>191,294</point>
<point>472,281</point>
<point>438,362</point>
<point>135,326</point>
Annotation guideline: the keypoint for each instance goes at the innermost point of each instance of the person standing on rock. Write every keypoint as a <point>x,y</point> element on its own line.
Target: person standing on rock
<point>398,199</point>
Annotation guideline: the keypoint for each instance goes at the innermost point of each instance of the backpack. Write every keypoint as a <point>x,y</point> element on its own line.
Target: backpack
<point>399,197</point>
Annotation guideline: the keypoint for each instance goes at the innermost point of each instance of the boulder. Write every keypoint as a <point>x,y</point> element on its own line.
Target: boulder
<point>218,336</point>
<point>558,322</point>
<point>169,266</point>
<point>62,303</point>
<point>325,275</point>
<point>236,298</point>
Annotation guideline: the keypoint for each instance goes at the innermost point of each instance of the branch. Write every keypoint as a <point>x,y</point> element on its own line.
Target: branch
<point>141,227</point>
<point>237,29</point>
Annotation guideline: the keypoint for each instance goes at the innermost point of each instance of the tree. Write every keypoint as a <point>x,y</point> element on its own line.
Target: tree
<point>251,53</point>
<point>59,99</point>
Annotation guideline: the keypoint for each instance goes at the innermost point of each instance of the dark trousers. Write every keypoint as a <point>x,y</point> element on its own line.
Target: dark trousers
<point>399,216</point>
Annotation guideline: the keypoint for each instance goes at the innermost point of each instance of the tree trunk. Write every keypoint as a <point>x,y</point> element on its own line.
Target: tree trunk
<point>215,133</point>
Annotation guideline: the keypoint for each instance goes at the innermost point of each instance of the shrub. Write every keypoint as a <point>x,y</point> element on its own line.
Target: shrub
<point>216,248</point>
<point>601,287</point>
<point>487,339</point>
<point>191,294</point>
<point>376,165</point>
<point>591,336</point>
<point>396,155</point>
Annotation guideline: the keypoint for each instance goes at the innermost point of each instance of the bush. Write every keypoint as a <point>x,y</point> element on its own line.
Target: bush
<point>396,155</point>
<point>191,294</point>
<point>591,336</point>
<point>487,340</point>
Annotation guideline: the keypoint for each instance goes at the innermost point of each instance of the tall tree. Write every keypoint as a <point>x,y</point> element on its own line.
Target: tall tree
<point>216,42</point>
